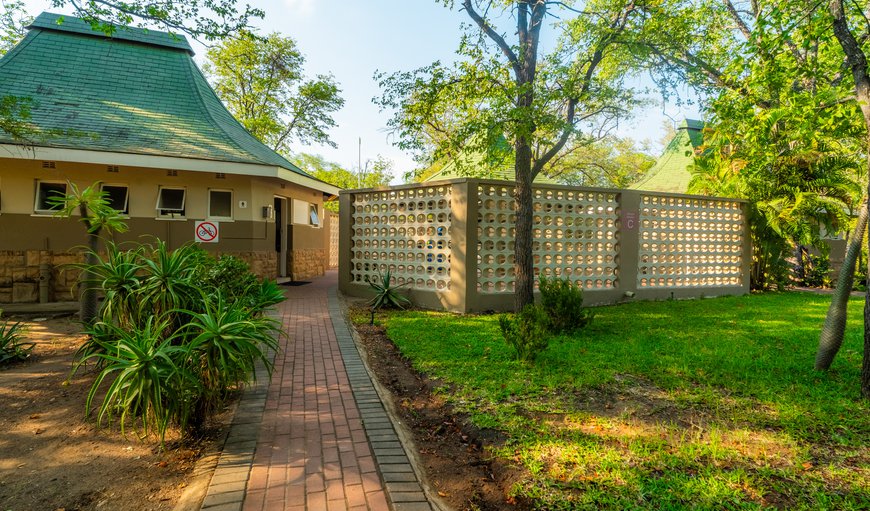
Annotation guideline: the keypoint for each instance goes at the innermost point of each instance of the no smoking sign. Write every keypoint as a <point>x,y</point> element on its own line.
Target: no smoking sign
<point>206,232</point>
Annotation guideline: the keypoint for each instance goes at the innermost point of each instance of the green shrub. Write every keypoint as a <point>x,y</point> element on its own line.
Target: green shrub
<point>147,380</point>
<point>814,272</point>
<point>527,332</point>
<point>12,347</point>
<point>228,275</point>
<point>562,301</point>
<point>179,330</point>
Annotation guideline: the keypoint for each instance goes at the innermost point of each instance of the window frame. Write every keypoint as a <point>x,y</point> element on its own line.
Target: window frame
<point>313,210</point>
<point>232,209</point>
<point>167,213</point>
<point>126,210</point>
<point>36,196</point>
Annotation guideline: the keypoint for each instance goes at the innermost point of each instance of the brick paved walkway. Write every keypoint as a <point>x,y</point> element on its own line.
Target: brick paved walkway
<point>317,436</point>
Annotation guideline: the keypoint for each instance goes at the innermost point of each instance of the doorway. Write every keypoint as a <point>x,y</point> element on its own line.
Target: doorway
<point>281,234</point>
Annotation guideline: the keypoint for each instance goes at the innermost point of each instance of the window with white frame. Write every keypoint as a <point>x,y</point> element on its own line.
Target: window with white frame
<point>170,202</point>
<point>45,191</point>
<point>220,204</point>
<point>313,218</point>
<point>117,197</point>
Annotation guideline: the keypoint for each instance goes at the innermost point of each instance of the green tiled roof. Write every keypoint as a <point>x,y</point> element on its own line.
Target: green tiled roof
<point>137,91</point>
<point>672,171</point>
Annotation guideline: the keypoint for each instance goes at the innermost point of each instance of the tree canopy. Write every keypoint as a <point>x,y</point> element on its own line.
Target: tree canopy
<point>261,81</point>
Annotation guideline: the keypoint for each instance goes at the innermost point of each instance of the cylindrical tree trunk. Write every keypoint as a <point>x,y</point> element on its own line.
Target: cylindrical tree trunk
<point>524,265</point>
<point>834,328</point>
<point>88,304</point>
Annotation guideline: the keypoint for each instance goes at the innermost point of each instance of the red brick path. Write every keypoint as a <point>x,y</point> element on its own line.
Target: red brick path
<point>312,452</point>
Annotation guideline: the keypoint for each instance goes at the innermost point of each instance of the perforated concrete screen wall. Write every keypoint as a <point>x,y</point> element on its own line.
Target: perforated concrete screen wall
<point>405,232</point>
<point>574,233</point>
<point>689,242</point>
<point>450,245</point>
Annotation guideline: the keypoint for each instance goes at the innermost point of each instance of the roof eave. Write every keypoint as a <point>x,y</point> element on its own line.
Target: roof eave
<point>162,162</point>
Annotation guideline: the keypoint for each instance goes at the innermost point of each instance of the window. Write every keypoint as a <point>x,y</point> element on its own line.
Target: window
<point>170,202</point>
<point>44,192</point>
<point>117,197</point>
<point>312,214</point>
<point>220,204</point>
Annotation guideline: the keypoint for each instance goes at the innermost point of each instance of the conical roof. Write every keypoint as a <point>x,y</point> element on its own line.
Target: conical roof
<point>672,171</point>
<point>135,91</point>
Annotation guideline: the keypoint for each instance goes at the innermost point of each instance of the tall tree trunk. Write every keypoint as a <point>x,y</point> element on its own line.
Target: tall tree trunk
<point>524,262</point>
<point>835,322</point>
<point>858,64</point>
<point>88,299</point>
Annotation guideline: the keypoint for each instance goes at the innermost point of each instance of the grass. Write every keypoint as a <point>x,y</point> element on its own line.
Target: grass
<point>706,404</point>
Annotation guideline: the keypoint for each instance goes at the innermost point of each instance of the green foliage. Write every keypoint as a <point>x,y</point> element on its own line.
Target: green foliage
<point>386,294</point>
<point>686,404</point>
<point>13,19</point>
<point>146,379</point>
<point>12,345</point>
<point>562,300</point>
<point>225,341</point>
<point>226,274</point>
<point>528,332</point>
<point>611,162</point>
<point>261,81</point>
<point>815,271</point>
<point>203,19</point>
<point>374,174</point>
<point>177,331</point>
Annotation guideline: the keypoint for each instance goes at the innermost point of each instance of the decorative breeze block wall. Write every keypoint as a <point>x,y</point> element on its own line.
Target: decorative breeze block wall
<point>574,236</point>
<point>690,242</point>
<point>404,231</point>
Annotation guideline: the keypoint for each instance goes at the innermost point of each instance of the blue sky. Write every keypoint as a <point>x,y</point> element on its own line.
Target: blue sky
<point>351,39</point>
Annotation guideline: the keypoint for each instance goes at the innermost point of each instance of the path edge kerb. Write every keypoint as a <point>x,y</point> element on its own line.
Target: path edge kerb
<point>404,435</point>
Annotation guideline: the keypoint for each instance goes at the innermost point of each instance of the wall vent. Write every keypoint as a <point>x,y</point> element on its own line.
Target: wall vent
<point>48,165</point>
<point>220,175</point>
<point>112,168</point>
<point>172,173</point>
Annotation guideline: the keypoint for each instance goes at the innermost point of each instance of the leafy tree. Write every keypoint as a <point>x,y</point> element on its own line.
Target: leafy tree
<point>94,211</point>
<point>334,174</point>
<point>261,81</point>
<point>850,29</point>
<point>541,103</point>
<point>13,19</point>
<point>612,162</point>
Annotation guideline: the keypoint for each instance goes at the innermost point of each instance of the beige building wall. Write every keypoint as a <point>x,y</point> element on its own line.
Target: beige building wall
<point>29,238</point>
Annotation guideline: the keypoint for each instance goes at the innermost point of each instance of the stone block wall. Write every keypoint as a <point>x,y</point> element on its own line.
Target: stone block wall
<point>307,263</point>
<point>19,275</point>
<point>264,264</point>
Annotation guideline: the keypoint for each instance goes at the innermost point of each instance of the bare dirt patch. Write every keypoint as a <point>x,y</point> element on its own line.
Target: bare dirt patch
<point>52,457</point>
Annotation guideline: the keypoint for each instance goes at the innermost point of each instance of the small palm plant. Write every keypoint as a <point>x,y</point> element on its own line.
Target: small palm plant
<point>386,294</point>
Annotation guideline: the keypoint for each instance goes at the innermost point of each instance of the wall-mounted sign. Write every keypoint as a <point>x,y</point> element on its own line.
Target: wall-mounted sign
<point>206,232</point>
<point>629,220</point>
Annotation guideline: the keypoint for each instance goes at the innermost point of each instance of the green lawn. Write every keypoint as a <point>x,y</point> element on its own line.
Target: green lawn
<point>706,404</point>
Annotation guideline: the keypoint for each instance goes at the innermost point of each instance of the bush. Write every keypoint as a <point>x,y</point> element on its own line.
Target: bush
<point>227,275</point>
<point>814,272</point>
<point>562,301</point>
<point>179,330</point>
<point>527,332</point>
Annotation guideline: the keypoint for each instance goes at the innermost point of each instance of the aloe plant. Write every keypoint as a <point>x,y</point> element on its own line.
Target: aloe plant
<point>11,345</point>
<point>386,294</point>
